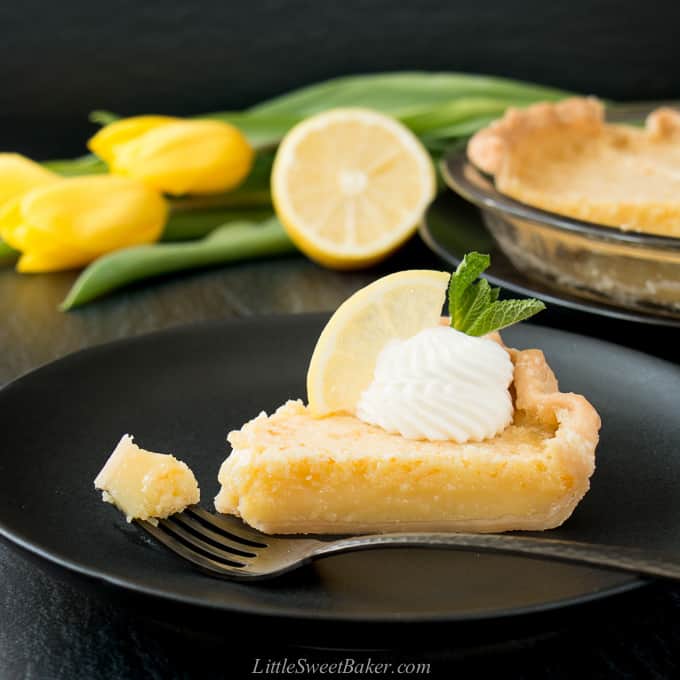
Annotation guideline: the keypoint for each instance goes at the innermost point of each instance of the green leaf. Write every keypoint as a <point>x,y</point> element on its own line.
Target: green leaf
<point>439,105</point>
<point>263,131</point>
<point>229,243</point>
<point>504,313</point>
<point>401,93</point>
<point>101,117</point>
<point>471,266</point>
<point>477,299</point>
<point>431,119</point>
<point>71,167</point>
<point>6,251</point>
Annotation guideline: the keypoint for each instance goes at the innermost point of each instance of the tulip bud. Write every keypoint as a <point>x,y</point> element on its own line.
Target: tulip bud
<point>18,174</point>
<point>174,155</point>
<point>70,222</point>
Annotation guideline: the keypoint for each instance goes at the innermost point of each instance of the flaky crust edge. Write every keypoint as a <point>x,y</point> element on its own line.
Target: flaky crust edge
<point>535,391</point>
<point>489,148</point>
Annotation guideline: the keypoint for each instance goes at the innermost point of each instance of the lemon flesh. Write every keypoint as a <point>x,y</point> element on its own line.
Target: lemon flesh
<point>350,186</point>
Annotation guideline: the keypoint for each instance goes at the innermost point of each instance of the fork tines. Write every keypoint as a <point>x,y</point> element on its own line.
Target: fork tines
<point>219,544</point>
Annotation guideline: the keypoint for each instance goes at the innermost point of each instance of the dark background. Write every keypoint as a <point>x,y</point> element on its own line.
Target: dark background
<point>60,60</point>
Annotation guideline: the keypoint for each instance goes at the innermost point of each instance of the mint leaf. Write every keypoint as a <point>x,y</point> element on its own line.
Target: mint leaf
<point>504,313</point>
<point>460,297</point>
<point>475,300</point>
<point>474,308</point>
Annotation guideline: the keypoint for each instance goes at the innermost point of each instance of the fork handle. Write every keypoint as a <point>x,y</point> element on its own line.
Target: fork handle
<point>613,557</point>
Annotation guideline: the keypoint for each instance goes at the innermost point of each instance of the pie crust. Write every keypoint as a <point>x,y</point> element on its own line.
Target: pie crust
<point>563,157</point>
<point>293,473</point>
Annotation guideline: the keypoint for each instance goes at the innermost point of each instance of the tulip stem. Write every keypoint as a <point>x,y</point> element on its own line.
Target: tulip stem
<point>186,225</point>
<point>72,167</point>
<point>228,243</point>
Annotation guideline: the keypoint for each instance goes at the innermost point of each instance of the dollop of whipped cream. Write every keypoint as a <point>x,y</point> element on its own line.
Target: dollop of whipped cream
<point>440,384</point>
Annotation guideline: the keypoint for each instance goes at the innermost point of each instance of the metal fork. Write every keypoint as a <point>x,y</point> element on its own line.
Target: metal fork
<point>224,546</point>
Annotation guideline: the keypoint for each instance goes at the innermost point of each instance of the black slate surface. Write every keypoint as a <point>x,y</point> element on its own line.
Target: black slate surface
<point>54,627</point>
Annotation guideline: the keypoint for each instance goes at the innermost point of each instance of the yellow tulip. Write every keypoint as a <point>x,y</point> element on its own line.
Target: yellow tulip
<point>68,223</point>
<point>18,174</point>
<point>174,155</point>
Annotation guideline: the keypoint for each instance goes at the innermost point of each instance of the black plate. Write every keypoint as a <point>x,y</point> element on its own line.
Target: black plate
<point>182,390</point>
<point>453,227</point>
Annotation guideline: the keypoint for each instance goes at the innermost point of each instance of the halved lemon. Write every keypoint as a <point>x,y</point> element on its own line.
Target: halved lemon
<point>395,306</point>
<point>350,186</point>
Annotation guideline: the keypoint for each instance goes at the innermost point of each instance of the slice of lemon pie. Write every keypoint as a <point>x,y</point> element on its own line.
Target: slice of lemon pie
<point>417,425</point>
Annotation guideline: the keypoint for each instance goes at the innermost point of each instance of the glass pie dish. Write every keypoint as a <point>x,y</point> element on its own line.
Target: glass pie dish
<point>631,270</point>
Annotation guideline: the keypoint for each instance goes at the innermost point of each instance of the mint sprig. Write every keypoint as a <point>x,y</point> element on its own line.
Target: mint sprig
<point>475,309</point>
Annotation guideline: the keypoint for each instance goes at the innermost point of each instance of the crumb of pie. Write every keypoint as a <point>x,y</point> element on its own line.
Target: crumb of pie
<point>146,485</point>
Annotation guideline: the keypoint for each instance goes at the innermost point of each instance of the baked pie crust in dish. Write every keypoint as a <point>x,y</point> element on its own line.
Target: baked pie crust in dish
<point>564,158</point>
<point>292,472</point>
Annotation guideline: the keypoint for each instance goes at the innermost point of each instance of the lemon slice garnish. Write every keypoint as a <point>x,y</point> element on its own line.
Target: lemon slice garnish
<point>395,306</point>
